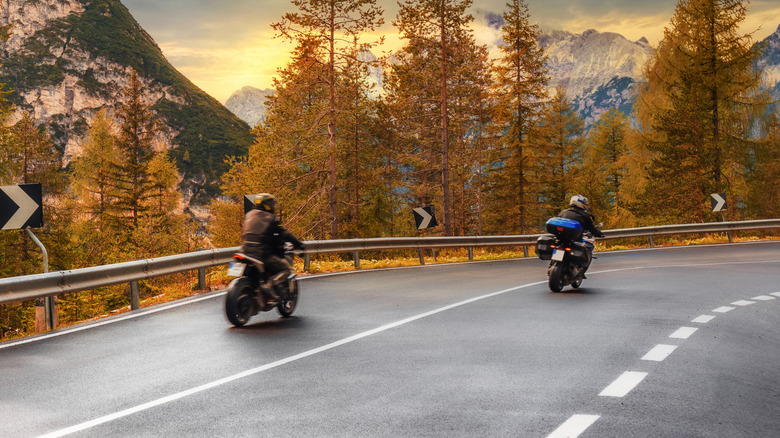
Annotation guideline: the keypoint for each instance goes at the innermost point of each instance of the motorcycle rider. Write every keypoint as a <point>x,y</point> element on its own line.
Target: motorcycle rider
<point>578,211</point>
<point>264,238</point>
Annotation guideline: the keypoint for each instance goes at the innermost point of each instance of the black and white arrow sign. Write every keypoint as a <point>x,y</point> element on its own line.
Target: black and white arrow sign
<point>20,206</point>
<point>718,202</point>
<point>424,217</point>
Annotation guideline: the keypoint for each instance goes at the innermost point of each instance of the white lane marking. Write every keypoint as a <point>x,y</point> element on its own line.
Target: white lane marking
<point>703,319</point>
<point>574,426</point>
<point>743,303</point>
<point>683,332</point>
<point>173,397</point>
<point>724,309</point>
<point>659,352</point>
<point>777,294</point>
<point>763,298</point>
<point>112,320</point>
<point>623,384</point>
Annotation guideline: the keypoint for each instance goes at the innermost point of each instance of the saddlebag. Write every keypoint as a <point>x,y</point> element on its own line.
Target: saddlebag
<point>544,247</point>
<point>566,229</point>
<point>580,251</point>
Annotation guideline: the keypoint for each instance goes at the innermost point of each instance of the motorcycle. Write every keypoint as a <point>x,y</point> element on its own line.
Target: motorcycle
<point>250,292</point>
<point>570,251</point>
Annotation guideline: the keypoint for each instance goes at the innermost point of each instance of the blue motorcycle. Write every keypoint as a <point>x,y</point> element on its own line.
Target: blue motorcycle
<point>569,251</point>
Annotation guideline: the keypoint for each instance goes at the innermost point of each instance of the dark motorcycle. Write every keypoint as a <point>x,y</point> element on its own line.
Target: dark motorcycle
<point>569,250</point>
<point>249,293</point>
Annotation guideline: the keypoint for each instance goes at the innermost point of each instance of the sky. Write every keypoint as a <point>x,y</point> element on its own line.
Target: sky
<point>224,45</point>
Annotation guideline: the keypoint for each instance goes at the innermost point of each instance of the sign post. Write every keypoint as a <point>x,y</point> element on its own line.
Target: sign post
<point>718,202</point>
<point>21,208</point>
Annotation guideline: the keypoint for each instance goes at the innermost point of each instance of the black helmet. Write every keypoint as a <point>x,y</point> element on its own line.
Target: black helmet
<point>266,202</point>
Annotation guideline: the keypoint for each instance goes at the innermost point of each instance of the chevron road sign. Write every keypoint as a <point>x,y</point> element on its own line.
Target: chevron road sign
<point>424,217</point>
<point>21,206</point>
<point>718,201</point>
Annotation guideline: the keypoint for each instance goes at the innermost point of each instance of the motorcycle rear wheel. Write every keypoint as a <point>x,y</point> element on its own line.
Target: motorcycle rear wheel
<point>240,302</point>
<point>555,280</point>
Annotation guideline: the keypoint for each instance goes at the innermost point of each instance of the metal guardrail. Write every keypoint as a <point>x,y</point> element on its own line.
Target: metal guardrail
<point>35,286</point>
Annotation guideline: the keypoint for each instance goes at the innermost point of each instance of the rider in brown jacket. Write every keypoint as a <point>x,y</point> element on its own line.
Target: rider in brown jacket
<point>264,238</point>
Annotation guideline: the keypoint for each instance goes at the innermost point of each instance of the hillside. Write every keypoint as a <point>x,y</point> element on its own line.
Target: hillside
<point>66,59</point>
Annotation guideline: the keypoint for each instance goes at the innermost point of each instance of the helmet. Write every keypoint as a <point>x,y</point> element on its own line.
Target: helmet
<point>266,202</point>
<point>579,201</point>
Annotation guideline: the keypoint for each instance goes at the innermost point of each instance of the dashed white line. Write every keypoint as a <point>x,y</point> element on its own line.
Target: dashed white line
<point>659,352</point>
<point>574,426</point>
<point>763,298</point>
<point>724,309</point>
<point>623,384</point>
<point>743,303</point>
<point>683,332</point>
<point>703,319</point>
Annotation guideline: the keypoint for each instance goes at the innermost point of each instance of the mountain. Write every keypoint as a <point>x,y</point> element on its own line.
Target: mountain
<point>67,59</point>
<point>248,104</point>
<point>598,70</point>
<point>770,62</point>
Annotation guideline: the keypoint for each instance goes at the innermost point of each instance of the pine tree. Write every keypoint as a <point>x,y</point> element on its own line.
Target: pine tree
<point>132,183</point>
<point>420,94</point>
<point>520,92</point>
<point>559,151</point>
<point>604,168</point>
<point>330,29</point>
<point>700,87</point>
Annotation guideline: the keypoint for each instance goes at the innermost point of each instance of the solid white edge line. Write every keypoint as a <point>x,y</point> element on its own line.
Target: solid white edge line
<point>683,332</point>
<point>659,352</point>
<point>623,384</point>
<point>142,407</point>
<point>703,319</point>
<point>90,325</point>
<point>574,426</point>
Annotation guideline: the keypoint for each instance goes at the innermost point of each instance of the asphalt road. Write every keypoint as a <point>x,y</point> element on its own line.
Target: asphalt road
<point>678,342</point>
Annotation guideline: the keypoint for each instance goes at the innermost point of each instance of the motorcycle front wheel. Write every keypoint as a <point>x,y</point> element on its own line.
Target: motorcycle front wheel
<point>287,307</point>
<point>240,302</point>
<point>555,280</point>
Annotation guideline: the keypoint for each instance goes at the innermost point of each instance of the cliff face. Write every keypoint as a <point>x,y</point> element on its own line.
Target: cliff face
<point>598,70</point>
<point>67,59</point>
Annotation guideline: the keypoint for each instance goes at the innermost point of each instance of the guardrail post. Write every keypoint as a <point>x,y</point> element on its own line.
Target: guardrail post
<point>135,301</point>
<point>652,244</point>
<point>356,259</point>
<point>525,250</point>
<point>731,238</point>
<point>306,262</point>
<point>471,253</point>
<point>201,278</point>
<point>422,256</point>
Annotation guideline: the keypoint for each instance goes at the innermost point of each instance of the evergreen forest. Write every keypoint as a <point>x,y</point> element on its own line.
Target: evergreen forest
<point>481,138</point>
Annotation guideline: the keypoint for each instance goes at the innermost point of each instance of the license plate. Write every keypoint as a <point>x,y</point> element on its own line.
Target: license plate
<point>558,254</point>
<point>236,269</point>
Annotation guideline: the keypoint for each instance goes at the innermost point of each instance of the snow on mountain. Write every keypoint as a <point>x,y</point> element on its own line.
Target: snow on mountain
<point>248,104</point>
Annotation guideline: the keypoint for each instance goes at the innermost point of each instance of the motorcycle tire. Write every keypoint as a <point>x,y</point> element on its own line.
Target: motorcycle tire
<point>576,283</point>
<point>239,302</point>
<point>555,280</point>
<point>287,307</point>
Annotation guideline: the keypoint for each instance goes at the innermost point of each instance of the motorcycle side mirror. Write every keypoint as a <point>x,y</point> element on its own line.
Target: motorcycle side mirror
<point>600,224</point>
